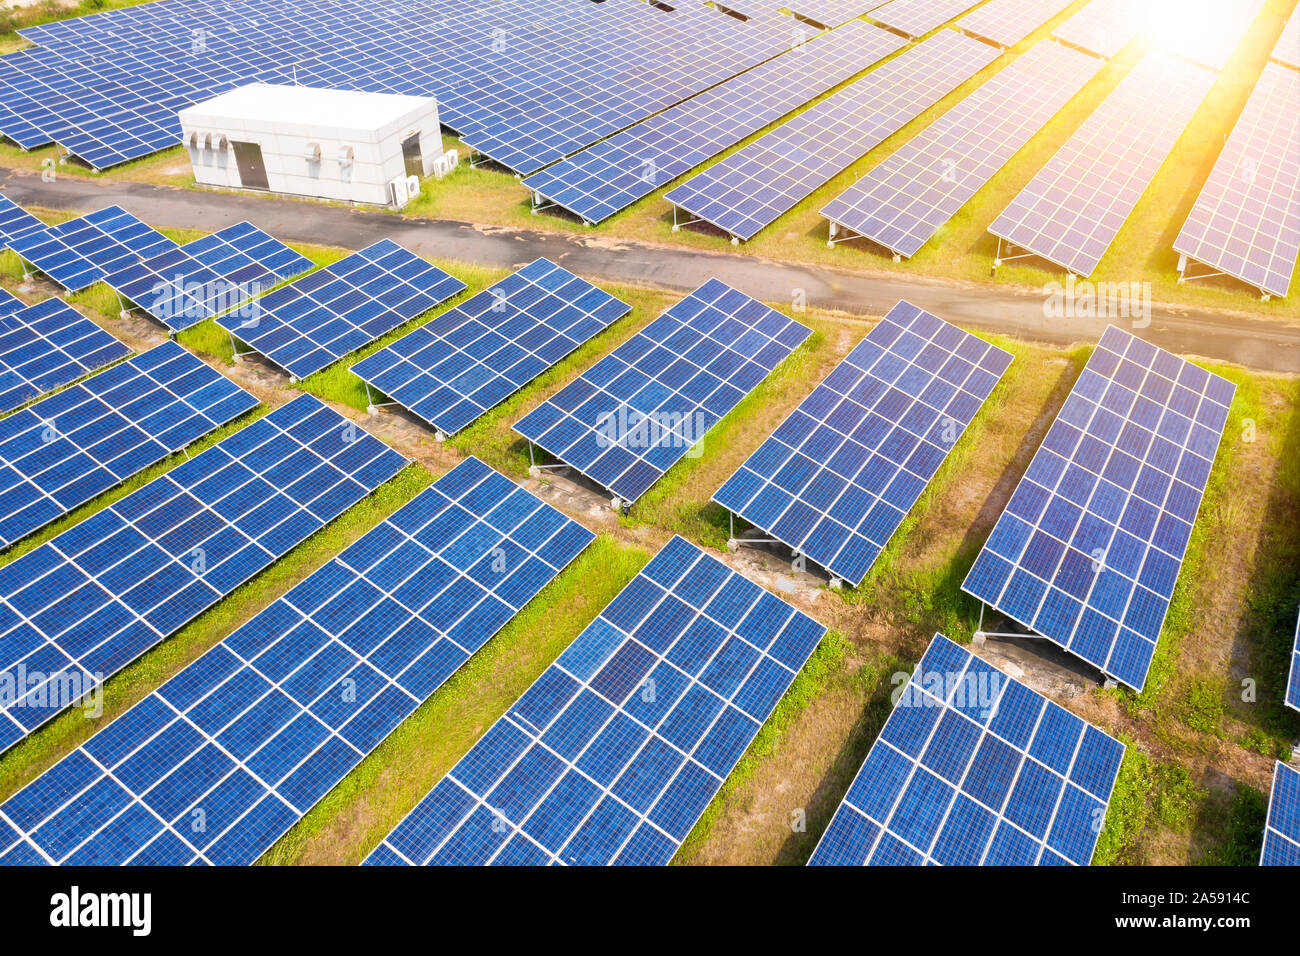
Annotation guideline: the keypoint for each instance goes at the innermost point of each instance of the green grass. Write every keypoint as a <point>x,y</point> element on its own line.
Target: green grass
<point>1238,827</point>
<point>1148,793</point>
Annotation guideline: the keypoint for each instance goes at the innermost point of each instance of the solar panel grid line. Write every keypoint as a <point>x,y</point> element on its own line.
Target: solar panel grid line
<point>499,801</point>
<point>1281,844</point>
<point>445,373</point>
<point>472,485</point>
<point>1089,547</point>
<point>1007,22</point>
<point>1073,208</point>
<point>217,273</point>
<point>1102,27</point>
<point>81,251</point>
<point>916,18</point>
<point>836,478</point>
<point>47,345</point>
<point>905,200</point>
<point>681,374</point>
<point>612,174</point>
<point>153,583</point>
<point>754,186</point>
<point>1287,49</point>
<point>973,761</point>
<point>1246,219</point>
<point>314,321</point>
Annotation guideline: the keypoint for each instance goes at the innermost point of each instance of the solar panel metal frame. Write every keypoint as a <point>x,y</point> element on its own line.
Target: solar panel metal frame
<point>978,767</point>
<point>1089,547</point>
<point>255,732</point>
<point>546,311</point>
<point>587,766</point>
<point>217,273</point>
<point>1281,846</point>
<point>64,450</point>
<point>47,345</point>
<point>849,463</point>
<point>78,253</point>
<point>689,367</point>
<point>351,302</point>
<point>58,601</point>
<point>1245,222</point>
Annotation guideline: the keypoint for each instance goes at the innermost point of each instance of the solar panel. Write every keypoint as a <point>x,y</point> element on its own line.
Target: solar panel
<point>627,419</point>
<point>752,187</point>
<point>251,735</point>
<point>837,477</point>
<point>1007,22</point>
<point>81,251</point>
<point>830,13</point>
<point>910,196</point>
<point>10,303</point>
<point>1287,49</point>
<point>614,752</point>
<point>15,221</point>
<point>316,320</point>
<point>1215,29</point>
<point>90,600</point>
<point>1070,212</point>
<point>1282,829</point>
<point>974,768</point>
<point>614,173</point>
<point>455,367</point>
<point>918,17</point>
<point>1246,220</point>
<point>1091,542</point>
<point>47,345</point>
<point>1293,685</point>
<point>211,275</point>
<point>1103,27</point>
<point>65,449</point>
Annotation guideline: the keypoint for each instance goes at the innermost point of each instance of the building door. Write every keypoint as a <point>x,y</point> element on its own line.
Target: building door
<point>411,156</point>
<point>252,172</point>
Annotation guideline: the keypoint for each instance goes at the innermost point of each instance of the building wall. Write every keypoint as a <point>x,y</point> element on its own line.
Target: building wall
<point>377,153</point>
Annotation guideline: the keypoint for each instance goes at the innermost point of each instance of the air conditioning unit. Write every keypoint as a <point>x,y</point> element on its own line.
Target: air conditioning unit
<point>412,186</point>
<point>399,191</point>
<point>445,163</point>
<point>312,153</point>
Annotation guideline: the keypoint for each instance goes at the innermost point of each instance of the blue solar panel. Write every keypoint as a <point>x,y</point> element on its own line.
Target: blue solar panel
<point>974,768</point>
<point>1091,542</point>
<point>316,320</point>
<point>909,197</point>
<point>632,415</point>
<point>47,345</point>
<point>81,251</point>
<point>209,276</point>
<point>754,186</point>
<point>251,735</point>
<point>81,606</point>
<point>837,477</point>
<point>10,303</point>
<point>1071,211</point>
<point>15,221</point>
<point>1293,685</point>
<point>64,450</point>
<point>459,364</point>
<point>616,172</point>
<point>614,752</point>
<point>1282,830</point>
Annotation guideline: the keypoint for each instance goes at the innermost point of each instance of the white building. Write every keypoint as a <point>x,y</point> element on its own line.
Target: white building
<point>335,144</point>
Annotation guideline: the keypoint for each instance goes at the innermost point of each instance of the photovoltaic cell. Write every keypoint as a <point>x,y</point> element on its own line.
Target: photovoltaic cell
<point>627,419</point>
<point>1246,220</point>
<point>1103,27</point>
<point>616,172</point>
<point>62,451</point>
<point>974,768</point>
<point>837,477</point>
<point>1282,830</point>
<point>81,606</point>
<point>752,187</point>
<point>47,345</point>
<point>251,735</point>
<point>614,752</point>
<point>81,251</point>
<point>316,320</point>
<point>459,364</point>
<point>918,17</point>
<point>1070,212</point>
<point>15,221</point>
<point>905,200</point>
<point>211,275</point>
<point>1091,542</point>
<point>1007,22</point>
